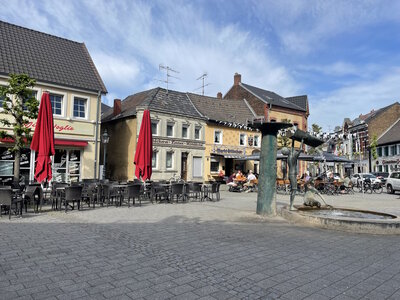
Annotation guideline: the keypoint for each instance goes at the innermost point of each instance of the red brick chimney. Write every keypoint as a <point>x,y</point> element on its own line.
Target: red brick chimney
<point>219,95</point>
<point>117,107</point>
<point>237,78</point>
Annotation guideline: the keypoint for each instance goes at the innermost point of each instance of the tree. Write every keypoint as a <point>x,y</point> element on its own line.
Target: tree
<point>316,128</point>
<point>284,141</point>
<point>20,105</point>
<point>373,145</point>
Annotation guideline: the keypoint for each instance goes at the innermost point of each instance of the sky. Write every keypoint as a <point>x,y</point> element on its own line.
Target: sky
<point>343,54</point>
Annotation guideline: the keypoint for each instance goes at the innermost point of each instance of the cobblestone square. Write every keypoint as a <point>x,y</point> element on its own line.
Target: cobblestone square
<point>196,250</point>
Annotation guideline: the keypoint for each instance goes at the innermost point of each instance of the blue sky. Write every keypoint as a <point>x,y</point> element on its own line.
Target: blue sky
<point>343,54</point>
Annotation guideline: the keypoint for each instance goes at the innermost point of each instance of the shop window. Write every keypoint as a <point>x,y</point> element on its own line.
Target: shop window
<point>6,165</point>
<point>197,166</point>
<point>217,137</point>
<point>74,165</point>
<point>66,165</point>
<point>197,130</point>
<point>214,166</point>
<point>56,104</point>
<point>79,107</point>
<point>242,139</point>
<point>170,129</point>
<point>154,160</point>
<point>154,127</point>
<point>185,131</point>
<point>256,141</point>
<point>168,163</point>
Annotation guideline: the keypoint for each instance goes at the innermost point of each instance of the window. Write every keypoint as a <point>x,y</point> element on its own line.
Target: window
<point>170,129</point>
<point>1,101</point>
<point>256,141</point>
<point>242,139</point>
<point>393,150</point>
<point>154,160</point>
<point>79,107</point>
<point>168,163</point>
<point>154,127</point>
<point>379,149</point>
<point>56,104</point>
<point>214,167</point>
<point>197,132</point>
<point>197,164</point>
<point>185,131</point>
<point>217,137</point>
<point>386,151</point>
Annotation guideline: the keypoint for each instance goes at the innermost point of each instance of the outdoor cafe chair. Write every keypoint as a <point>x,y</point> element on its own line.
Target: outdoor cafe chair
<point>72,194</point>
<point>9,202</point>
<point>177,189</point>
<point>215,191</point>
<point>193,190</point>
<point>158,191</point>
<point>33,195</point>
<point>56,194</point>
<point>91,194</point>
<point>133,191</point>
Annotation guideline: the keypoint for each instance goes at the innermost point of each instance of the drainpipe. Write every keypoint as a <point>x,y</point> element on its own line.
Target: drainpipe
<point>96,134</point>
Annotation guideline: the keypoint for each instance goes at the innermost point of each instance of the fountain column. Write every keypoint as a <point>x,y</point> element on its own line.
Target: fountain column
<point>266,199</point>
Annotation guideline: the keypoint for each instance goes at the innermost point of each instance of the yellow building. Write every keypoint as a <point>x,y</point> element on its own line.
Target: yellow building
<point>228,139</point>
<point>64,69</point>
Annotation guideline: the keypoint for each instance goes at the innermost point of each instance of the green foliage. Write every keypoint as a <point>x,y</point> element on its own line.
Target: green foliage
<point>284,141</point>
<point>373,145</point>
<point>316,128</point>
<point>19,103</point>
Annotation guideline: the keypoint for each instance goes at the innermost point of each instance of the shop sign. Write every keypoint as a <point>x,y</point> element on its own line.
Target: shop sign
<point>220,150</point>
<point>390,161</point>
<point>176,142</point>
<point>57,127</point>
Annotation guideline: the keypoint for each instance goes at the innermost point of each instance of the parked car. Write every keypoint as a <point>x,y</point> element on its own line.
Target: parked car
<point>382,176</point>
<point>357,178</point>
<point>393,182</point>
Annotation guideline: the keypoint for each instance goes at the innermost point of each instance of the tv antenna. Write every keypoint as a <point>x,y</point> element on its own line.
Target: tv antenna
<point>168,69</point>
<point>202,77</point>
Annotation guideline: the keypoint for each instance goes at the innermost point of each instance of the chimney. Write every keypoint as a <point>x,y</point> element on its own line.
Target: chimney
<point>237,78</point>
<point>117,107</point>
<point>219,95</point>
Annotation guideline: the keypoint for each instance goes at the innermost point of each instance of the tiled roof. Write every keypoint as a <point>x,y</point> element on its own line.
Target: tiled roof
<point>156,99</point>
<point>47,58</point>
<point>300,101</point>
<point>272,98</point>
<point>392,135</point>
<point>104,108</point>
<point>228,110</point>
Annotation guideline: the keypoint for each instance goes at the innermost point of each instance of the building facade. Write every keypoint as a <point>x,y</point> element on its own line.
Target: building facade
<point>178,135</point>
<point>64,69</point>
<point>388,149</point>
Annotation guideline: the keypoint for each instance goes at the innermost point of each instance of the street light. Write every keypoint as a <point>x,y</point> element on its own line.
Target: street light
<point>105,138</point>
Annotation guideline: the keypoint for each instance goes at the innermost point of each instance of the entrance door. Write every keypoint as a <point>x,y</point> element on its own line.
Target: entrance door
<point>228,166</point>
<point>184,166</point>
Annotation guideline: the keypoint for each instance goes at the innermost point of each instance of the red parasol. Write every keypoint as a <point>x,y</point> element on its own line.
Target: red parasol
<point>144,149</point>
<point>43,140</point>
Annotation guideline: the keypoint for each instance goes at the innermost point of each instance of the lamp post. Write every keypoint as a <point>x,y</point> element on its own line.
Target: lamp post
<point>105,138</point>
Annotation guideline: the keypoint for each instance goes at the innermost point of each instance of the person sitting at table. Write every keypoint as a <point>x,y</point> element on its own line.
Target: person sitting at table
<point>231,179</point>
<point>239,177</point>
<point>251,180</point>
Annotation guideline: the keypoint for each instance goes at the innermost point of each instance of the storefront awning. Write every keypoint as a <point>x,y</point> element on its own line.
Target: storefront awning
<point>229,156</point>
<point>70,143</point>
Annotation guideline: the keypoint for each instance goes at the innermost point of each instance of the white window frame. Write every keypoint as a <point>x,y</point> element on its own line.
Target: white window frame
<point>199,128</point>
<point>172,160</point>
<point>187,126</point>
<point>245,139</point>
<point>221,137</point>
<point>155,156</point>
<point>157,122</point>
<point>63,105</point>
<point>256,137</point>
<point>201,167</point>
<point>173,129</point>
<point>87,106</point>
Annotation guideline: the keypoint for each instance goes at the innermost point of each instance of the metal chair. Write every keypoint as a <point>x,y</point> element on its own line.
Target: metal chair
<point>177,189</point>
<point>72,194</point>
<point>193,190</point>
<point>132,192</point>
<point>158,191</point>
<point>215,191</point>
<point>91,194</point>
<point>33,195</point>
<point>55,194</point>
<point>7,200</point>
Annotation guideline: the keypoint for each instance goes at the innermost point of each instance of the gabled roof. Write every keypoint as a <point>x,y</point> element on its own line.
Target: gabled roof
<point>392,135</point>
<point>47,58</point>
<point>300,101</point>
<point>225,110</point>
<point>156,99</point>
<point>104,108</point>
<point>275,99</point>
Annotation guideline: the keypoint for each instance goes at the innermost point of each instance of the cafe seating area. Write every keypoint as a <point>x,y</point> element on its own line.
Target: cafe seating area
<point>93,194</point>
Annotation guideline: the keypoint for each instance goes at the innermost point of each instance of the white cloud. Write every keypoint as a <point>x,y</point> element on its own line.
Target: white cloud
<point>330,110</point>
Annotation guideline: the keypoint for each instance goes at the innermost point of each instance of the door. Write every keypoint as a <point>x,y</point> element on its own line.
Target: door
<point>228,166</point>
<point>184,166</point>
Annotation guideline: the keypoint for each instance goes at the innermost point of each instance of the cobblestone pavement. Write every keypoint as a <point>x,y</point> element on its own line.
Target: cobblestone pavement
<point>197,250</point>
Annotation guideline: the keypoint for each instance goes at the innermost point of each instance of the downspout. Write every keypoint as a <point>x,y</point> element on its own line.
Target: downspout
<point>96,134</point>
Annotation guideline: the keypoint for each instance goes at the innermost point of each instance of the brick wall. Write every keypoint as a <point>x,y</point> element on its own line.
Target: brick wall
<point>384,120</point>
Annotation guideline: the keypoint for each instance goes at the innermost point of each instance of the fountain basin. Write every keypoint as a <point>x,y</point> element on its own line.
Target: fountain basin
<point>345,219</point>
